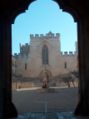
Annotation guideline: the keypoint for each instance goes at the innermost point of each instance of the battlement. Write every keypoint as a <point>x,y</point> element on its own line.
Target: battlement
<point>70,53</point>
<point>48,35</point>
<point>16,55</point>
<point>25,45</point>
<point>24,49</point>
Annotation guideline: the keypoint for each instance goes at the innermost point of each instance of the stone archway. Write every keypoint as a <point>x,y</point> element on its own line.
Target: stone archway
<point>9,10</point>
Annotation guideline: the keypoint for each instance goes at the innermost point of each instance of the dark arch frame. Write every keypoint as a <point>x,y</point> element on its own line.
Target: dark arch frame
<point>9,10</point>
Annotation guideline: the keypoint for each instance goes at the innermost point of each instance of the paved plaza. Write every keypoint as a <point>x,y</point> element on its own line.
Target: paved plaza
<point>41,100</point>
<point>53,103</point>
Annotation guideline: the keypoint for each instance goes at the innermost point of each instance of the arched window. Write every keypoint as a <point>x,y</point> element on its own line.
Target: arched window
<point>45,55</point>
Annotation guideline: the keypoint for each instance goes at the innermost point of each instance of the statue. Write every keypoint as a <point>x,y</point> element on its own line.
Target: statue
<point>45,80</point>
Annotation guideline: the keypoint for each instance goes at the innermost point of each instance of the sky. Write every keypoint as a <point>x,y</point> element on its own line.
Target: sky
<point>41,17</point>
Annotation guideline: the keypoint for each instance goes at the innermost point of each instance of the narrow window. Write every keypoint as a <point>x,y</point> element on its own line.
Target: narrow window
<point>25,66</point>
<point>45,55</point>
<point>65,65</point>
<point>15,64</point>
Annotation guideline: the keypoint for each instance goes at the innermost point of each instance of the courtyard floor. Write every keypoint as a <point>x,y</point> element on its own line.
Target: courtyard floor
<point>52,103</point>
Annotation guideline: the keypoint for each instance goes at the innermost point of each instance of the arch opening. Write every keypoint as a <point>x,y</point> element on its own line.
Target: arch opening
<point>53,41</point>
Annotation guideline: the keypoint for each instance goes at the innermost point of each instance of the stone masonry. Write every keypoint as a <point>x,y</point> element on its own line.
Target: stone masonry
<point>29,62</point>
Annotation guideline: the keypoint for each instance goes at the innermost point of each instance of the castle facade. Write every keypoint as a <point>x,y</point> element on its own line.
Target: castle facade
<point>43,55</point>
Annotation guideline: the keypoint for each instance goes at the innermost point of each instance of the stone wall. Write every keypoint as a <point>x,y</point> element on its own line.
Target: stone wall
<point>31,65</point>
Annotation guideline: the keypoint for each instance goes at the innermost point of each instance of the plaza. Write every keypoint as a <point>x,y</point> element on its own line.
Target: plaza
<point>41,101</point>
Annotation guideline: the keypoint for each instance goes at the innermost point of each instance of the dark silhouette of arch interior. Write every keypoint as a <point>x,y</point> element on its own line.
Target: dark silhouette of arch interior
<point>9,9</point>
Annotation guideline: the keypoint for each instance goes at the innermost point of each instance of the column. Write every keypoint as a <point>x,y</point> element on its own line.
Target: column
<point>83,49</point>
<point>6,107</point>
